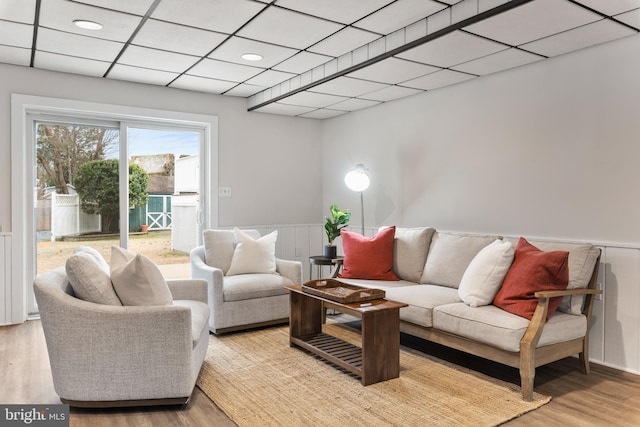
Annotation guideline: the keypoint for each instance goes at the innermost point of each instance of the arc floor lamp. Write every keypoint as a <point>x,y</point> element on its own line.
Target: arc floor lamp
<point>358,180</point>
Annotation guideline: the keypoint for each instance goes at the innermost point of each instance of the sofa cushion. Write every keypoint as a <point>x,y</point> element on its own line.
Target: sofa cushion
<point>138,280</point>
<point>199,317</point>
<point>251,286</point>
<point>410,248</point>
<point>219,246</point>
<point>484,275</point>
<point>421,300</point>
<point>494,326</point>
<point>380,284</point>
<point>532,270</point>
<point>253,256</point>
<point>582,261</point>
<point>368,257</point>
<point>88,274</point>
<point>450,255</point>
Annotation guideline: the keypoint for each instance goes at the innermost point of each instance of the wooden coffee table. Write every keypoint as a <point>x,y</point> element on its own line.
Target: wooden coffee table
<point>379,357</point>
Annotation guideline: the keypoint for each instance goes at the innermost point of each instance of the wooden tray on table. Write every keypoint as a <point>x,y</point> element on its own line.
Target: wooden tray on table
<point>343,293</point>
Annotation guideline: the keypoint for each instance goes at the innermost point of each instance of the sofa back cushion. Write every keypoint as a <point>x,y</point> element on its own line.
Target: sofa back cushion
<point>219,246</point>
<point>410,248</point>
<point>449,256</point>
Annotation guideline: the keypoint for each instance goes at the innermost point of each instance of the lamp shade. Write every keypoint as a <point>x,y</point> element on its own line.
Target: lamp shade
<point>357,179</point>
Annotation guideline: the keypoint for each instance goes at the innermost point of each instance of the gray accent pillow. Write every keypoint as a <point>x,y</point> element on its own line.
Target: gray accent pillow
<point>410,248</point>
<point>88,274</point>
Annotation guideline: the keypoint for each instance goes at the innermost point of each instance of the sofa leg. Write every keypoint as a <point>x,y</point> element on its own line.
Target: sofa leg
<point>584,362</point>
<point>527,378</point>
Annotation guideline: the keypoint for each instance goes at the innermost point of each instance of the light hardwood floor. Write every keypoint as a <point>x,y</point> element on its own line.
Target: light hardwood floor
<point>606,397</point>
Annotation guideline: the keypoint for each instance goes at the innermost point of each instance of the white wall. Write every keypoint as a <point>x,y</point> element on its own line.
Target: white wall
<point>548,150</point>
<point>255,150</point>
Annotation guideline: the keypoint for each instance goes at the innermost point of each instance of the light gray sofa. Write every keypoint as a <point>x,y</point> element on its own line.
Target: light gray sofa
<point>105,355</point>
<point>431,264</point>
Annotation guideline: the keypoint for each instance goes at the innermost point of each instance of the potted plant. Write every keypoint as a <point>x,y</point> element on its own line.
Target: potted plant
<point>332,227</point>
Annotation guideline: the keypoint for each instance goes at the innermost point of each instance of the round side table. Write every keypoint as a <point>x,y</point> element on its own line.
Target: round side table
<point>319,261</point>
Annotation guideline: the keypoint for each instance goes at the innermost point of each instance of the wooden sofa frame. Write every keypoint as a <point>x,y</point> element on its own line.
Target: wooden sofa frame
<point>530,356</point>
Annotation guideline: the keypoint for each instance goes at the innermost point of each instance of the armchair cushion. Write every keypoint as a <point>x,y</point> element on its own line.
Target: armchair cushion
<point>88,274</point>
<point>137,280</point>
<point>251,286</point>
<point>253,256</point>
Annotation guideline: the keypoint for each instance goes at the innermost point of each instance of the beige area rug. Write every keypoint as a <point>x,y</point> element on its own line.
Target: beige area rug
<point>258,380</point>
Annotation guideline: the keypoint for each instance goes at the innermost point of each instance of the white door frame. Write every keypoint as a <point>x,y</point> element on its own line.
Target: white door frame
<point>23,169</point>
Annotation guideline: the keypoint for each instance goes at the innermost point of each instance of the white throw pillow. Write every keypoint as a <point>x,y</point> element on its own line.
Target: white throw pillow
<point>483,277</point>
<point>254,256</point>
<point>138,280</point>
<point>88,274</point>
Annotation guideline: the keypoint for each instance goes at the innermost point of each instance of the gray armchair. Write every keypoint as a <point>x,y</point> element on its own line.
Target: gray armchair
<point>106,355</point>
<point>242,301</point>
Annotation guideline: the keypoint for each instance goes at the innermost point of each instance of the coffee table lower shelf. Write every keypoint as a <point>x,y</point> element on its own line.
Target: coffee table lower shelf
<point>334,350</point>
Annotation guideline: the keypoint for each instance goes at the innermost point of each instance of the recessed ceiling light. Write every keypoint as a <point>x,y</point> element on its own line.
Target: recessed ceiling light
<point>87,25</point>
<point>251,57</point>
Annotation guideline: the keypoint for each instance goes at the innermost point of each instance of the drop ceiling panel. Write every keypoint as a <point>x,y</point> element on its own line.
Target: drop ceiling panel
<point>286,28</point>
<point>302,62</point>
<point>532,21</point>
<point>77,45</point>
<point>393,70</point>
<point>612,7</point>
<point>18,10</point>
<point>399,14</point>
<point>59,15</point>
<point>14,34</point>
<point>344,11</point>
<point>452,49</point>
<point>244,90</point>
<point>344,41</point>
<point>585,36</point>
<point>70,64</point>
<point>137,7</point>
<point>311,99</point>
<point>156,59</point>
<point>354,104</point>
<point>141,75</point>
<point>630,18</point>
<point>202,84</point>
<point>390,93</point>
<point>438,79</point>
<point>232,49</point>
<point>346,86</point>
<point>323,113</point>
<point>219,70</point>
<point>224,16</point>
<point>286,110</point>
<point>177,38</point>
<point>499,61</point>
<point>15,55</point>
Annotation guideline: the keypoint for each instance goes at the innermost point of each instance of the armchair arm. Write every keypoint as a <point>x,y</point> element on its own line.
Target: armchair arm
<point>189,289</point>
<point>213,276</point>
<point>292,270</point>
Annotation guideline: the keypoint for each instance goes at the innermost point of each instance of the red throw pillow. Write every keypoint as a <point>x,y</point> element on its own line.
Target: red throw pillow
<point>532,270</point>
<point>368,258</point>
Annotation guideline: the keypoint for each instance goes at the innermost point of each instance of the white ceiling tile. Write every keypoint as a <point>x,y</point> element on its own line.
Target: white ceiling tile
<point>138,7</point>
<point>244,90</point>
<point>354,104</point>
<point>344,11</point>
<point>588,35</point>
<point>302,62</point>
<point>225,16</point>
<point>346,86</point>
<point>390,93</point>
<point>399,14</point>
<point>393,70</point>
<point>343,41</point>
<point>452,49</point>
<point>323,113</point>
<point>59,15</point>
<point>285,110</point>
<point>269,78</point>
<point>438,79</point>
<point>311,99</point>
<point>532,21</point>
<point>224,70</point>
<point>14,34</point>
<point>18,11</point>
<point>15,55</point>
<point>202,84</point>
<point>77,45</point>
<point>177,38</point>
<point>232,50</point>
<point>499,61</point>
<point>70,64</point>
<point>611,7</point>
<point>287,28</point>
<point>156,59</point>
<point>141,75</point>
<point>631,18</point>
